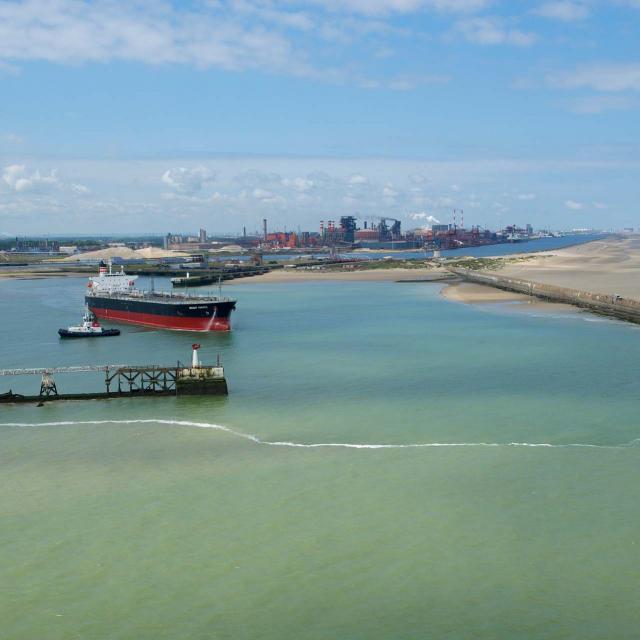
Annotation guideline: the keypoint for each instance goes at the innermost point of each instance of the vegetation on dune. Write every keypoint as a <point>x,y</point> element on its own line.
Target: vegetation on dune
<point>484,264</point>
<point>464,262</point>
<point>371,265</point>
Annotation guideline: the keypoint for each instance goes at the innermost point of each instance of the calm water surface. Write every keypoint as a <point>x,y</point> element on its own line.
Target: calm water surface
<point>223,518</point>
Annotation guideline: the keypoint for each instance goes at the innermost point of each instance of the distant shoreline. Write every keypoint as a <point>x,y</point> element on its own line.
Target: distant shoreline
<point>608,266</point>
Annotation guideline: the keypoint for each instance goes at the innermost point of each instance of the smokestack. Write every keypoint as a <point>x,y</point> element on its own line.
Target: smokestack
<point>244,232</point>
<point>264,228</point>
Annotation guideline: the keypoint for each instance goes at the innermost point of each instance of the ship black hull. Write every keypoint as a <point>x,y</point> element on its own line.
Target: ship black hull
<point>190,315</point>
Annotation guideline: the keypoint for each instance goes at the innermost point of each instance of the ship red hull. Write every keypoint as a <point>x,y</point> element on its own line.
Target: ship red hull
<point>176,323</point>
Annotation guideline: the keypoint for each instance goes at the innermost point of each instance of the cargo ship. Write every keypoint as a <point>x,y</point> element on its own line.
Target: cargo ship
<point>113,296</point>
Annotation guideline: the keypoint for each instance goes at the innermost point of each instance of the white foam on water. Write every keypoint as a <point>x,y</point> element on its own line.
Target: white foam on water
<point>320,445</point>
<point>180,423</point>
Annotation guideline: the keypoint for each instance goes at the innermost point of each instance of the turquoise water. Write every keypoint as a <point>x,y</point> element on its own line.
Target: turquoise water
<point>248,517</point>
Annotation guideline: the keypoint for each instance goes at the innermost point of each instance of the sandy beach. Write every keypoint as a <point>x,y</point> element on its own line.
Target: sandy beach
<point>372,275</point>
<point>609,266</point>
<point>472,293</point>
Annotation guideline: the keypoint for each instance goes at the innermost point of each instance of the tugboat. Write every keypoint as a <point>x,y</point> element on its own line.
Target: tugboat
<point>90,328</point>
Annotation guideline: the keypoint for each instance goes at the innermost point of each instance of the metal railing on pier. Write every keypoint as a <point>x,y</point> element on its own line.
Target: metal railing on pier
<point>80,369</point>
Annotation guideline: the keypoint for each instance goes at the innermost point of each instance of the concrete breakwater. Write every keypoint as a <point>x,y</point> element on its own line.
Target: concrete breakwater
<point>601,303</point>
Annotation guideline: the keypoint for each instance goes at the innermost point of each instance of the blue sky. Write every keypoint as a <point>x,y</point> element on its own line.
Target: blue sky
<point>153,116</point>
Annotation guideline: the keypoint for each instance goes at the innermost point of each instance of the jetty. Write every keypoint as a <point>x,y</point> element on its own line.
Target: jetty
<point>127,381</point>
<point>615,306</point>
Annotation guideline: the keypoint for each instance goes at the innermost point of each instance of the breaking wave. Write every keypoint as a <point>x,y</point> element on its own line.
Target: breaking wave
<point>320,445</point>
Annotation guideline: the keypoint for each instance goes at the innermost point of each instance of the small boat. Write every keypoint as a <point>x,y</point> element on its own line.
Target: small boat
<point>90,328</point>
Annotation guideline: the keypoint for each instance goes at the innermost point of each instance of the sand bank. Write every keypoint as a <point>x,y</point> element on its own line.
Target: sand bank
<point>373,275</point>
<point>279,275</point>
<point>478,294</point>
<point>471,293</point>
<point>610,266</point>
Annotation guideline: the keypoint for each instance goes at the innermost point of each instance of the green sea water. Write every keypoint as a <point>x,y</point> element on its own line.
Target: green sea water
<point>388,464</point>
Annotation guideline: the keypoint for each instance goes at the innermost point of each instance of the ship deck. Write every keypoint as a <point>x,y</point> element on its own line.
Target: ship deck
<point>165,298</point>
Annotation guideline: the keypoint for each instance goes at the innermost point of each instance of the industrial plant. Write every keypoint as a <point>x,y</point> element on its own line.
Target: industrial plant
<point>350,232</point>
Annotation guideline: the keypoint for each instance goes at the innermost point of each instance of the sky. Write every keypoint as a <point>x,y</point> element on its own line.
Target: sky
<point>156,117</point>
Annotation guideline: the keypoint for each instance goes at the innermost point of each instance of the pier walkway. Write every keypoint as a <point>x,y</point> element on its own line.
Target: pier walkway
<point>127,381</point>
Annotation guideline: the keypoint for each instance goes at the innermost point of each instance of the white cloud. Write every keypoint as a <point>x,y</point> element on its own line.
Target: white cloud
<point>268,197</point>
<point>424,216</point>
<point>233,35</point>
<point>30,193</point>
<point>572,204</point>
<point>18,179</point>
<point>130,195</point>
<point>187,181</point>
<point>291,19</point>
<point>76,31</point>
<point>493,31</point>
<point>526,196</point>
<point>563,10</point>
<point>262,194</point>
<point>601,77</point>
<point>299,184</point>
<point>358,179</point>
<point>286,38</point>
<point>600,205</point>
<point>252,178</point>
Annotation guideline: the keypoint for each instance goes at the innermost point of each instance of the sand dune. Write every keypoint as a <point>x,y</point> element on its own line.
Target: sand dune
<point>157,252</point>
<point>125,253</point>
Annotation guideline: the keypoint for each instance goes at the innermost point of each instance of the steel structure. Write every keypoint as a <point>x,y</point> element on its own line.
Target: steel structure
<point>80,369</point>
